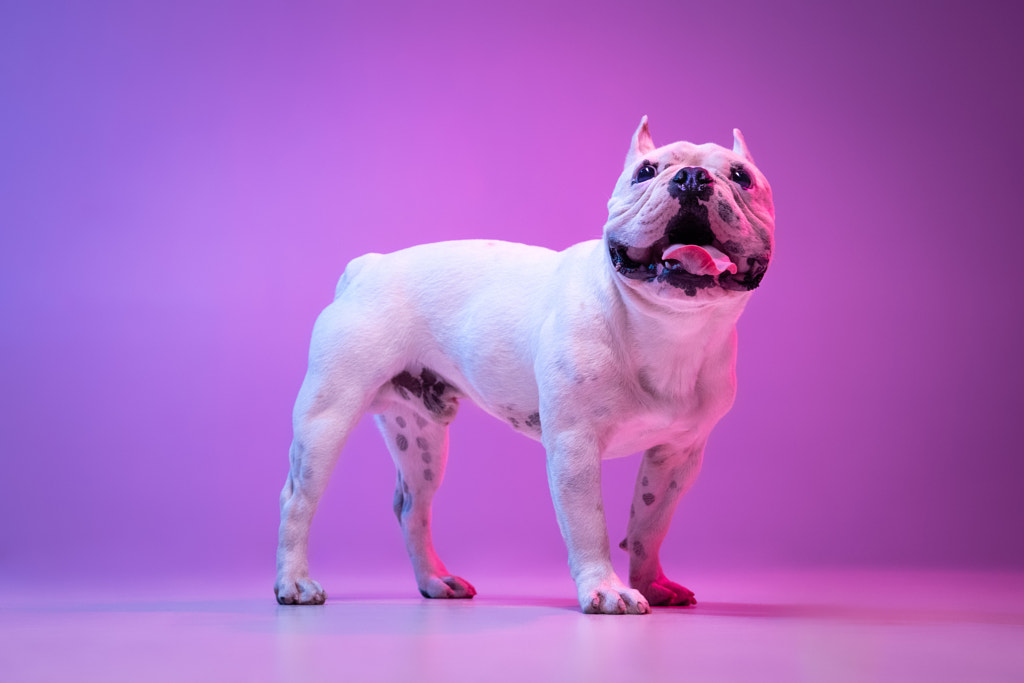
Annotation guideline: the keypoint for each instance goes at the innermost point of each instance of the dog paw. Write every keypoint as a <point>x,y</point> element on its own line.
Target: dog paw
<point>451,587</point>
<point>662,592</point>
<point>299,592</point>
<point>613,598</point>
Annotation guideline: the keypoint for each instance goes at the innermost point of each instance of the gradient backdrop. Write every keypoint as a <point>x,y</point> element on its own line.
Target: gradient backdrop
<point>182,183</point>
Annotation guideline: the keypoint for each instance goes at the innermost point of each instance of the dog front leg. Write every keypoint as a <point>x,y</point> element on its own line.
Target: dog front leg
<point>666,473</point>
<point>574,475</point>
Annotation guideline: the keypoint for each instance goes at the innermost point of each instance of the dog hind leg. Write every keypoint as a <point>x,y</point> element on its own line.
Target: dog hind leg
<point>334,395</point>
<point>419,447</point>
<point>322,425</point>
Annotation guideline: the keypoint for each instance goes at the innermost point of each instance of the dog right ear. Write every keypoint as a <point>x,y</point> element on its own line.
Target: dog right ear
<point>641,145</point>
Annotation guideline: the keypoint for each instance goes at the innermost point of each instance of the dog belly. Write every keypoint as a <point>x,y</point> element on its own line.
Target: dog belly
<point>433,395</point>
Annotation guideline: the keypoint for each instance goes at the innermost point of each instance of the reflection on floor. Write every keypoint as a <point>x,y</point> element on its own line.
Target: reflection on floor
<point>764,626</point>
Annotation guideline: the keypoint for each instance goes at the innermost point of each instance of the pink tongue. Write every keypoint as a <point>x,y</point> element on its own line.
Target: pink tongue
<point>699,260</point>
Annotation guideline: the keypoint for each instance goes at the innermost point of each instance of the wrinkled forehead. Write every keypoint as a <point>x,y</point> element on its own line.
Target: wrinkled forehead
<point>689,154</point>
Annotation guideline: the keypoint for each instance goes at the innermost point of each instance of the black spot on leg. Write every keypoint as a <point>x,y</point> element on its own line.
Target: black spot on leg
<point>400,420</point>
<point>405,384</point>
<point>428,474</point>
<point>425,456</point>
<point>632,511</point>
<point>673,484</point>
<point>644,481</point>
<point>420,422</point>
<point>533,420</point>
<point>638,550</point>
<point>402,442</point>
<point>403,501</point>
<point>624,544</point>
<point>433,390</point>
<point>514,422</point>
<point>648,498</point>
<point>422,443</point>
<point>439,397</point>
<point>399,501</point>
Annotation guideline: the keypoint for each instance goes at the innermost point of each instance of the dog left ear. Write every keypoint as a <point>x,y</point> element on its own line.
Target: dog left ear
<point>642,143</point>
<point>739,146</point>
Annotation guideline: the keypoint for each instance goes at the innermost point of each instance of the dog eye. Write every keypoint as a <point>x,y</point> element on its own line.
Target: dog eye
<point>740,176</point>
<point>646,172</point>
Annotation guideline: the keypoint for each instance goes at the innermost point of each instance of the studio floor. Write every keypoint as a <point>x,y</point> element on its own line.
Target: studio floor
<point>758,626</point>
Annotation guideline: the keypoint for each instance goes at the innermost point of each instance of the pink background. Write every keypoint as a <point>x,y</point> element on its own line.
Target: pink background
<point>182,184</point>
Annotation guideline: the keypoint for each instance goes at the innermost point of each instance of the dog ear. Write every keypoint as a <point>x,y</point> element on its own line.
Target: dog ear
<point>642,143</point>
<point>740,146</point>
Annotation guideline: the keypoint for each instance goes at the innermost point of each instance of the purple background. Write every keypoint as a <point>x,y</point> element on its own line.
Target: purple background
<point>181,184</point>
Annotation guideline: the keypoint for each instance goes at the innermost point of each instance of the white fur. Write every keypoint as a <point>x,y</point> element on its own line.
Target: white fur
<point>559,345</point>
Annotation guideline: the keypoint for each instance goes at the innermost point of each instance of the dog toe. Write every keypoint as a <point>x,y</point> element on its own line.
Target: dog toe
<point>608,600</point>
<point>665,593</point>
<point>300,592</point>
<point>447,587</point>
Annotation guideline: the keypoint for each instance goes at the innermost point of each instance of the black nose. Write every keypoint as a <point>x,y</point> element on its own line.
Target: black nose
<point>693,179</point>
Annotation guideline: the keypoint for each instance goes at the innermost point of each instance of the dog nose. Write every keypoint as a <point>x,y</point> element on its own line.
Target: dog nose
<point>693,179</point>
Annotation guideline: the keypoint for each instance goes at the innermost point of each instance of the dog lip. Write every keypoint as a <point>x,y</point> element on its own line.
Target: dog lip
<point>658,270</point>
<point>653,266</point>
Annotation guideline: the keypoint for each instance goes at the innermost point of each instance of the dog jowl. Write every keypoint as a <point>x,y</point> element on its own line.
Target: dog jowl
<point>618,345</point>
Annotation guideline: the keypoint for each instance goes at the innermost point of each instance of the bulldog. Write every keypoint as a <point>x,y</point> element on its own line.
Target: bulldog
<point>613,346</point>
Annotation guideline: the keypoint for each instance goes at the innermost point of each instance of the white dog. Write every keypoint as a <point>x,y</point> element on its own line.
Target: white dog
<point>613,346</point>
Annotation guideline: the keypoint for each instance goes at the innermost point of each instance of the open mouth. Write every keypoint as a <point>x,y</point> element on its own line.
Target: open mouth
<point>689,257</point>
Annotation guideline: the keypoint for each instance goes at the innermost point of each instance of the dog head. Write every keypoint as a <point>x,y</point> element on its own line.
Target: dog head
<point>690,222</point>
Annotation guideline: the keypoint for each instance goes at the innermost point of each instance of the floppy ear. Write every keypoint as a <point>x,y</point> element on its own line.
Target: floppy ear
<point>739,146</point>
<point>641,145</point>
